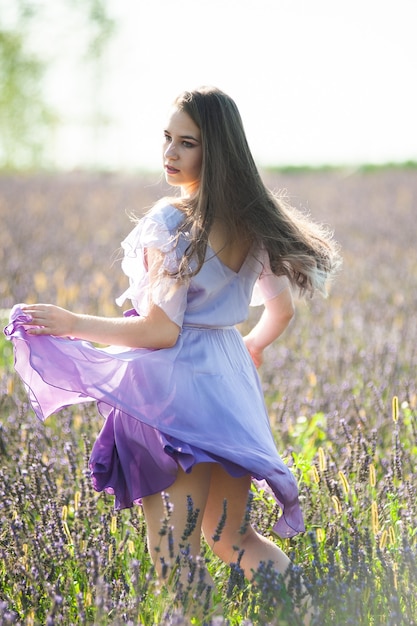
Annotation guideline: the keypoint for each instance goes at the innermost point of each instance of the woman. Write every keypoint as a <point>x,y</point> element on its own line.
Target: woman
<point>183,405</point>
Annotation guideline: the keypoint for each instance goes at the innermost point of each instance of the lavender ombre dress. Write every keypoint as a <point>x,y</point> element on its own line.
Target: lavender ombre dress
<point>199,401</point>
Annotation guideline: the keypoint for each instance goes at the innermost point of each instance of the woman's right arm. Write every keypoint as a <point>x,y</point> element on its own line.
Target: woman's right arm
<point>155,330</point>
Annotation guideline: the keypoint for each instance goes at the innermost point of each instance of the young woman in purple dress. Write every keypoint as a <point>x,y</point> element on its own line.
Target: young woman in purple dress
<point>178,388</point>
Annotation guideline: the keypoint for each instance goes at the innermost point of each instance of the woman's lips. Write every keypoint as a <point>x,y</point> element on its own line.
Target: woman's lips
<point>171,170</point>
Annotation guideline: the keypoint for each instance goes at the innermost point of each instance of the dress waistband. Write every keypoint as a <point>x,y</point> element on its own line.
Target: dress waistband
<point>200,327</point>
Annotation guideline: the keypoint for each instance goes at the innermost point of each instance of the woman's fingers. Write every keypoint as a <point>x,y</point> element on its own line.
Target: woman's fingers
<point>47,319</point>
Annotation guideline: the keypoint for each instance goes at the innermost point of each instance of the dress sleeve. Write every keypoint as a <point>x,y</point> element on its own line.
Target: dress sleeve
<point>167,292</point>
<point>268,285</point>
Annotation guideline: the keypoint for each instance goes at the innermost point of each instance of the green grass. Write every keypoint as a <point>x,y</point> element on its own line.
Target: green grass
<point>6,348</point>
<point>302,169</point>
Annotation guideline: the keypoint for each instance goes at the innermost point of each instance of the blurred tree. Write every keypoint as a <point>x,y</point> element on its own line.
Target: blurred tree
<point>102,27</point>
<point>27,121</point>
<point>24,116</point>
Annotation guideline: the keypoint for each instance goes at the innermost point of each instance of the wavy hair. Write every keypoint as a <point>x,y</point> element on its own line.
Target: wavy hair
<point>231,191</point>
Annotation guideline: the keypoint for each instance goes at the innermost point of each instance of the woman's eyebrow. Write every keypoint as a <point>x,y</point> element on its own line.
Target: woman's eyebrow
<point>190,137</point>
<point>183,136</point>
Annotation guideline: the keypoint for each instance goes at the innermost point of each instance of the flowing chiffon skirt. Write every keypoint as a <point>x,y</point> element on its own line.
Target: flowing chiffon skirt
<point>200,401</point>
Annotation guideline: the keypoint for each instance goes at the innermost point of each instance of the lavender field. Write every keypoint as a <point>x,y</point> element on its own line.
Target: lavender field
<point>340,386</point>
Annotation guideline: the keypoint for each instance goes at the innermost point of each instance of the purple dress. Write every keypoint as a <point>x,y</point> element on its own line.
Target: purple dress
<point>199,401</point>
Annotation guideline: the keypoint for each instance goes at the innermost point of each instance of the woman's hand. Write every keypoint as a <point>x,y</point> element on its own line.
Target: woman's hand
<point>256,353</point>
<point>48,319</point>
<point>277,314</point>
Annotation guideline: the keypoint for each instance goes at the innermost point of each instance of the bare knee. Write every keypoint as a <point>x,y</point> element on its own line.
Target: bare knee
<point>229,544</point>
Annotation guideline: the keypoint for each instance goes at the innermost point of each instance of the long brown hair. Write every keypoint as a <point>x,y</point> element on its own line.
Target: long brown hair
<point>232,191</point>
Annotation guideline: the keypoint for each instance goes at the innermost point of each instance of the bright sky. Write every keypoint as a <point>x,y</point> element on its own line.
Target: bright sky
<point>316,81</point>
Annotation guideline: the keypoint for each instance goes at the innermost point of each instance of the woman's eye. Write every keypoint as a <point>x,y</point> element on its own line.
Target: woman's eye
<point>185,143</point>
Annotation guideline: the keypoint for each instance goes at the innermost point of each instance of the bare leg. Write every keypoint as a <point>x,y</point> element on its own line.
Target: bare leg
<point>256,549</point>
<point>169,538</point>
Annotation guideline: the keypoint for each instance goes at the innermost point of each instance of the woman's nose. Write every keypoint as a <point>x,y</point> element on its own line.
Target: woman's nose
<point>170,151</point>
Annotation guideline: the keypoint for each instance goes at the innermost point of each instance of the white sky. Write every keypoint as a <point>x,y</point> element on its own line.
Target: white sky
<point>316,81</point>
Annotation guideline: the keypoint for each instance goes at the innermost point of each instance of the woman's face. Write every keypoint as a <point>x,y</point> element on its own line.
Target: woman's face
<point>182,152</point>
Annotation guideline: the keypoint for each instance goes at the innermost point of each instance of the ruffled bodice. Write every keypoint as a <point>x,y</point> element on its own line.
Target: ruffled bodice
<point>217,296</point>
